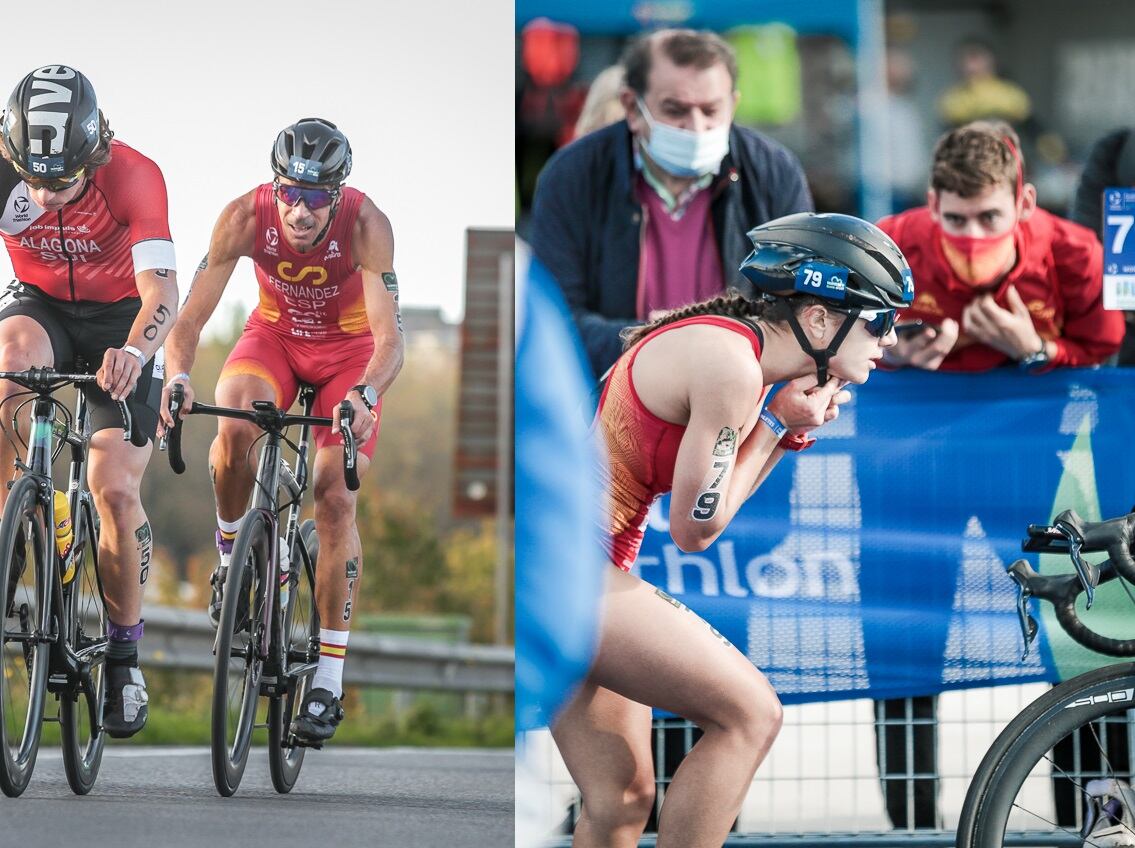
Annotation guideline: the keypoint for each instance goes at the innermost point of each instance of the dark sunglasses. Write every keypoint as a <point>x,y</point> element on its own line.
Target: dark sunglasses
<point>60,184</point>
<point>882,323</point>
<point>313,198</point>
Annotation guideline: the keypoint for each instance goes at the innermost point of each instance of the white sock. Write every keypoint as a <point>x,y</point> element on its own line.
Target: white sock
<point>229,528</point>
<point>332,653</point>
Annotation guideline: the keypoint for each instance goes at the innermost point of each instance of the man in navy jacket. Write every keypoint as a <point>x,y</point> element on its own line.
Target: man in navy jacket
<point>651,213</point>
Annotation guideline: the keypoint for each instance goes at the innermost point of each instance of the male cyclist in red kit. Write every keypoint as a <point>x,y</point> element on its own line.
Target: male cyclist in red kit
<point>328,316</point>
<point>84,220</point>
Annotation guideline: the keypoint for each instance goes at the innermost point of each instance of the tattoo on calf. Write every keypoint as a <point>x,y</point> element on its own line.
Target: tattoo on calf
<point>145,540</point>
<point>160,316</point>
<point>709,498</point>
<point>352,576</point>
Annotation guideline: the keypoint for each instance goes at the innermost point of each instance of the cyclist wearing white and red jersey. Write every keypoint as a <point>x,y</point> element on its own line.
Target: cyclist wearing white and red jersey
<point>84,221</point>
<point>328,316</point>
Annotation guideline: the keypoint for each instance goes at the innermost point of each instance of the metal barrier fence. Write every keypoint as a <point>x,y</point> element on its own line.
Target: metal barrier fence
<point>177,638</point>
<point>821,783</point>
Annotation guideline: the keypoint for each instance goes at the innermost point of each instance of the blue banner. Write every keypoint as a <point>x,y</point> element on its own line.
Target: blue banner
<point>872,565</point>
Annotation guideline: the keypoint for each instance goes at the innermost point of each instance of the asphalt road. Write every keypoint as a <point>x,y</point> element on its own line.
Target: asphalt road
<point>346,797</point>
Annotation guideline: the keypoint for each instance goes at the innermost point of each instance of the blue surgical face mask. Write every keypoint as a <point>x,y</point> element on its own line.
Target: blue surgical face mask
<point>684,153</point>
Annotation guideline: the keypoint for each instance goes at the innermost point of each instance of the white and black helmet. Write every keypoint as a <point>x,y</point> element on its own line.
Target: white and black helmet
<point>312,150</point>
<point>51,127</point>
<point>839,258</point>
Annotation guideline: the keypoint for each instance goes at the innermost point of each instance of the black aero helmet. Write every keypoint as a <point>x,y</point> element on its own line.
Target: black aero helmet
<point>839,258</point>
<point>312,150</point>
<point>51,125</point>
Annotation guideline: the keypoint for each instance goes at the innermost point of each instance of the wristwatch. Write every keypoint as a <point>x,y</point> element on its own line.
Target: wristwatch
<point>368,394</point>
<point>1035,361</point>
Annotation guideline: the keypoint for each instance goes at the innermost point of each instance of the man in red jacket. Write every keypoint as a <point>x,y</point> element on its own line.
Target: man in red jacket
<point>999,280</point>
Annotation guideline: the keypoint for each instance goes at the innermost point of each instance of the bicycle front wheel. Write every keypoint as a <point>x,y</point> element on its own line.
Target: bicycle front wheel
<point>23,653</point>
<point>1029,788</point>
<point>239,659</point>
<point>300,629</point>
<point>80,711</point>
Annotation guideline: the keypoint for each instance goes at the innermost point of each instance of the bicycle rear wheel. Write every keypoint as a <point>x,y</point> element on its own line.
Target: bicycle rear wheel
<point>301,634</point>
<point>1011,797</point>
<point>23,657</point>
<point>80,713</point>
<point>238,665</point>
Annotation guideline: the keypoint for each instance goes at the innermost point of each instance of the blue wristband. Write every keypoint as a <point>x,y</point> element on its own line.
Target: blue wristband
<point>774,423</point>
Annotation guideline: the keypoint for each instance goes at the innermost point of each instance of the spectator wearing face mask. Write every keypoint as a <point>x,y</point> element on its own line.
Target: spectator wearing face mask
<point>1000,281</point>
<point>651,213</point>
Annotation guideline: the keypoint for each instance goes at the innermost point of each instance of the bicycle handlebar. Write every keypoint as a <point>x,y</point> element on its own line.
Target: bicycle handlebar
<point>45,380</point>
<point>268,417</point>
<point>1061,590</point>
<point>1072,535</point>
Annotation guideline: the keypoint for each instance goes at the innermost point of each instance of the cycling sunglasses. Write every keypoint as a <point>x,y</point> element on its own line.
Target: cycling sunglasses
<point>879,322</point>
<point>313,198</point>
<point>59,184</point>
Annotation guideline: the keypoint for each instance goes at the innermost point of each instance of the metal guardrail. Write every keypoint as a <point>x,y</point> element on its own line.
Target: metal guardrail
<point>178,638</point>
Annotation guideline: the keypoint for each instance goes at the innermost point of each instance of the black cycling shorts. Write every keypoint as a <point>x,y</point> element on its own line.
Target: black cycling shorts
<point>80,333</point>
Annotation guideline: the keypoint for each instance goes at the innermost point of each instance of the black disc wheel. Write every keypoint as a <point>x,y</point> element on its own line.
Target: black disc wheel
<point>300,627</point>
<point>241,636</point>
<point>80,710</point>
<point>23,651</point>
<point>1031,788</point>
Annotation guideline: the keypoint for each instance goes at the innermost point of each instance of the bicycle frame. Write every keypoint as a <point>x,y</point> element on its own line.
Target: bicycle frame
<point>67,668</point>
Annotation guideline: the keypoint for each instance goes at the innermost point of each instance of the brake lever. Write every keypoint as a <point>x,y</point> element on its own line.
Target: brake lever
<point>1028,623</point>
<point>1089,574</point>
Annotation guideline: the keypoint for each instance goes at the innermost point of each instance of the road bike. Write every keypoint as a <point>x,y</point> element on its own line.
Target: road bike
<point>268,636</point>
<point>1032,786</point>
<point>54,615</point>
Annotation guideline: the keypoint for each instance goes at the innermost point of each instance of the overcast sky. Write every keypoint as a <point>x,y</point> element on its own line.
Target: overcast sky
<point>423,90</point>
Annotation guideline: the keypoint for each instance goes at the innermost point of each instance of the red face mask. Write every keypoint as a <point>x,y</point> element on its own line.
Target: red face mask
<point>978,261</point>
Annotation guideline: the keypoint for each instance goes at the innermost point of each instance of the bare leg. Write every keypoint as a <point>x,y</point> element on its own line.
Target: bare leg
<point>125,541</point>
<point>654,652</point>
<point>231,463</point>
<point>605,741</point>
<point>23,344</point>
<point>340,566</point>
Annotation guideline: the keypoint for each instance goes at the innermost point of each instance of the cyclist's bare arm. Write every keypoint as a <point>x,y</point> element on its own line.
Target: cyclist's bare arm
<point>121,368</point>
<point>373,247</point>
<point>722,451</point>
<point>233,237</point>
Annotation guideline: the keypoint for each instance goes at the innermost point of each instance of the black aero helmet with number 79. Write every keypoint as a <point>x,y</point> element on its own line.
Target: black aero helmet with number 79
<point>838,258</point>
<point>51,127</point>
<point>312,150</point>
<point>848,263</point>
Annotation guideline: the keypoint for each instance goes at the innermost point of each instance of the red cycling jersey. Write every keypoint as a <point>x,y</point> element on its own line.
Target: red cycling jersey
<point>92,248</point>
<point>317,295</point>
<point>641,447</point>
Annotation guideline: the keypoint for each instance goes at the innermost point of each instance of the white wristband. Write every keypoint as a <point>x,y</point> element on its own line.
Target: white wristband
<point>182,377</point>
<point>133,351</point>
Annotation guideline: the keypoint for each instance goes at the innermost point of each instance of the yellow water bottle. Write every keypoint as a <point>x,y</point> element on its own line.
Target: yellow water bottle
<point>64,535</point>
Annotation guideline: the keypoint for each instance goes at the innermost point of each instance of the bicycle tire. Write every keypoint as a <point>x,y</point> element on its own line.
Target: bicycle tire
<point>238,665</point>
<point>86,621</point>
<point>21,712</point>
<point>1092,701</point>
<point>300,627</point>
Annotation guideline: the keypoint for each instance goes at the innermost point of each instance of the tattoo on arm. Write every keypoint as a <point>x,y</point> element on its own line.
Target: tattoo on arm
<point>709,498</point>
<point>390,280</point>
<point>145,539</point>
<point>160,316</point>
<point>203,264</point>
<point>162,272</point>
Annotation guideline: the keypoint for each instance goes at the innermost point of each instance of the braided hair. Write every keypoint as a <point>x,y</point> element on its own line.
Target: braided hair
<point>732,304</point>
